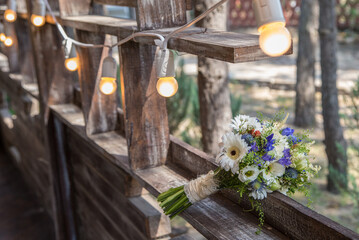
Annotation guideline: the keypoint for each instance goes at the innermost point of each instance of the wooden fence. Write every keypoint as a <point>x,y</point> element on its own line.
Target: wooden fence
<point>95,166</point>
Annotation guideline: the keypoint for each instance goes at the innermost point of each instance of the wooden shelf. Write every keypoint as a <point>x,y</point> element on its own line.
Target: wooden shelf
<point>225,46</point>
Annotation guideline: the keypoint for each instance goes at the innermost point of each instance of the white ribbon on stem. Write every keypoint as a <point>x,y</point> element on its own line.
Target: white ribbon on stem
<point>201,188</point>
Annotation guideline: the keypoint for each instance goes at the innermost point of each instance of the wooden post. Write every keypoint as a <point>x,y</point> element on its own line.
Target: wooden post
<point>25,57</point>
<point>145,110</point>
<point>12,51</point>
<point>99,109</point>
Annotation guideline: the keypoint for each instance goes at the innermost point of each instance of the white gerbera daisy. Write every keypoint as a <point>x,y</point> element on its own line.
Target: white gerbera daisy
<point>243,123</point>
<point>249,173</point>
<point>233,151</point>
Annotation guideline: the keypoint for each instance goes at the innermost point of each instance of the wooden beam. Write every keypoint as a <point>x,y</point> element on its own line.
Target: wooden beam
<point>70,7</point>
<point>126,3</point>
<point>156,14</point>
<point>100,110</point>
<point>225,46</point>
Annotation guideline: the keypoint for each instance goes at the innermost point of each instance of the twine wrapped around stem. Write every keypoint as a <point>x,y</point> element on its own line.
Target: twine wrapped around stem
<point>201,187</point>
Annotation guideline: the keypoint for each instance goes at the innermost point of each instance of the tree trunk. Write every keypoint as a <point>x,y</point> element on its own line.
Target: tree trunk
<point>214,95</point>
<point>334,140</point>
<point>305,87</point>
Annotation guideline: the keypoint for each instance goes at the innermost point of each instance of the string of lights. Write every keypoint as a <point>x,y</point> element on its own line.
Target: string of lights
<point>274,40</point>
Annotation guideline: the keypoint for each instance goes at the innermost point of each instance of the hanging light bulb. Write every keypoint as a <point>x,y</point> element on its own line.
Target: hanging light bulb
<point>38,13</point>
<point>108,83</point>
<point>71,64</point>
<point>167,85</point>
<point>8,42</point>
<point>10,12</point>
<point>274,40</point>
<point>2,37</point>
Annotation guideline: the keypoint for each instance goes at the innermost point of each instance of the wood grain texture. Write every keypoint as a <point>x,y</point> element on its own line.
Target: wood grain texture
<point>12,51</point>
<point>225,46</point>
<point>147,133</point>
<point>22,216</point>
<point>156,14</point>
<point>25,57</point>
<point>99,109</point>
<point>127,3</point>
<point>70,7</point>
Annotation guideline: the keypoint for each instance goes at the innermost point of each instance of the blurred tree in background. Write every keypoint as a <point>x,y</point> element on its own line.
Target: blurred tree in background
<point>334,139</point>
<point>305,87</point>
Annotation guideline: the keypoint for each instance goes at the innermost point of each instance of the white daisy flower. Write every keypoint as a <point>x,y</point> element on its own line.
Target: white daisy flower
<point>242,123</point>
<point>249,173</point>
<point>233,151</point>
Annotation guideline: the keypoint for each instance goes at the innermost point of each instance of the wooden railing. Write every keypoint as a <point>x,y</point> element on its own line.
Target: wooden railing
<point>96,167</point>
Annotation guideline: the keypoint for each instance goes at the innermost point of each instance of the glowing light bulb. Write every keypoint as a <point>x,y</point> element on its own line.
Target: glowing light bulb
<point>37,20</point>
<point>275,39</point>
<point>108,85</point>
<point>71,64</point>
<point>167,86</point>
<point>2,37</point>
<point>10,15</point>
<point>8,42</point>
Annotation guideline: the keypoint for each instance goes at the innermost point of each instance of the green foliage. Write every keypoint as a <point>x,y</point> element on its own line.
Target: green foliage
<point>184,106</point>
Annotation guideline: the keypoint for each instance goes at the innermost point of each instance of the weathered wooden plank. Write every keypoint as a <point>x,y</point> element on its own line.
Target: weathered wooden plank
<point>108,189</point>
<point>116,224</point>
<point>25,58</point>
<point>110,145</point>
<point>99,109</point>
<point>156,14</point>
<point>215,217</point>
<point>126,3</point>
<point>70,7</point>
<point>225,46</point>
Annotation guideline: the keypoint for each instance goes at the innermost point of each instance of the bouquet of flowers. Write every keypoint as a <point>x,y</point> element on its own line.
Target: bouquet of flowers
<point>257,157</point>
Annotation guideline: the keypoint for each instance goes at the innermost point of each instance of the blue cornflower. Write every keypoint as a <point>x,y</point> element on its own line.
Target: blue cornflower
<point>291,172</point>
<point>287,131</point>
<point>248,138</point>
<point>268,158</point>
<point>294,139</point>
<point>270,141</point>
<point>254,147</point>
<point>257,160</point>
<point>285,160</point>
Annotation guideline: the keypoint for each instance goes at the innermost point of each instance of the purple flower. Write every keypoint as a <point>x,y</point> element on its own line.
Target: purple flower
<point>285,160</point>
<point>270,141</point>
<point>287,131</point>
<point>268,158</point>
<point>294,139</point>
<point>248,138</point>
<point>257,160</point>
<point>254,147</point>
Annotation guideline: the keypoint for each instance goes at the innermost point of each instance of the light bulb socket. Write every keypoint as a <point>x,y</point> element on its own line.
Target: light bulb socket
<point>39,8</point>
<point>109,67</point>
<point>267,11</point>
<point>11,4</point>
<point>165,64</point>
<point>67,47</point>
